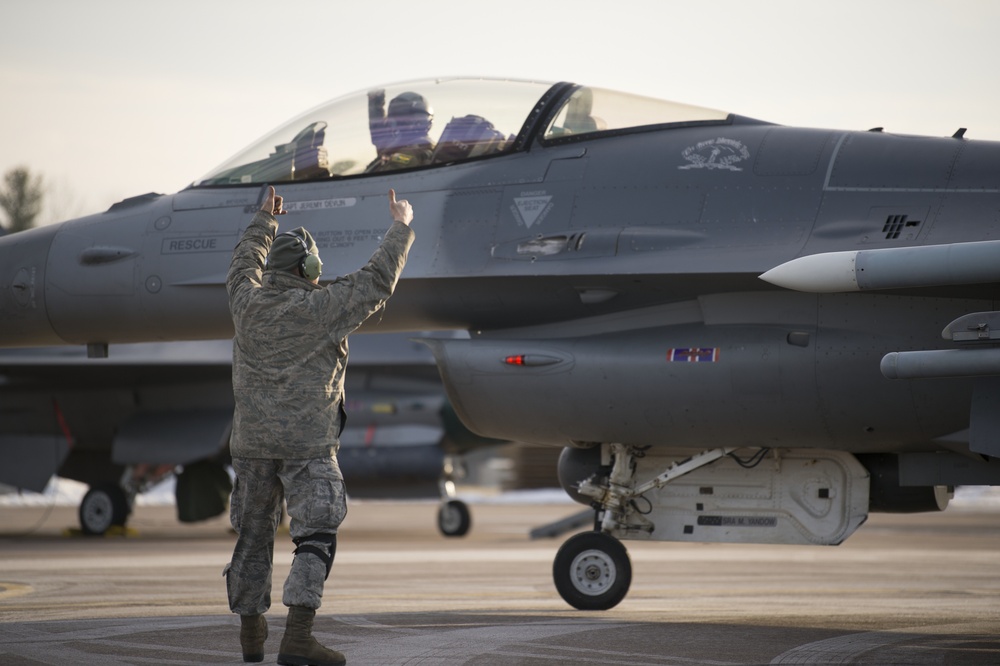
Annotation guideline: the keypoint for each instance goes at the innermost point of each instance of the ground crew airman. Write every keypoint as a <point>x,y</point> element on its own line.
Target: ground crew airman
<point>289,357</point>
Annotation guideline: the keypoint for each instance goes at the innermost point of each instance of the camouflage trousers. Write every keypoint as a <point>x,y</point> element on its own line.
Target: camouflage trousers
<point>314,493</point>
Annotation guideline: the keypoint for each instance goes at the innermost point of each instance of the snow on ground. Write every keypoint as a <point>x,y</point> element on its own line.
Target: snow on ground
<point>64,492</point>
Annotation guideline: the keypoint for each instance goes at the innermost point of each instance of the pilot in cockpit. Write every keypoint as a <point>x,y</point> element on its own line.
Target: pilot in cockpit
<point>401,135</point>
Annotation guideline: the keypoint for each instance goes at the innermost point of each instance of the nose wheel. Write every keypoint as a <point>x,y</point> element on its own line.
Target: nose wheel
<point>454,519</point>
<point>592,571</point>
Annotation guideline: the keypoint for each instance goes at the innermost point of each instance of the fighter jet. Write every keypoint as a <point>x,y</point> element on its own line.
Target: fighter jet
<point>737,331</point>
<point>125,423</point>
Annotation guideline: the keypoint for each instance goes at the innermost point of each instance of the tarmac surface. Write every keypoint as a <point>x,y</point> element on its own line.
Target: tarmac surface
<point>905,589</point>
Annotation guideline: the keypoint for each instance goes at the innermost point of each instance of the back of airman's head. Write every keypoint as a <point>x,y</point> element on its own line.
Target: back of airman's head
<point>295,251</point>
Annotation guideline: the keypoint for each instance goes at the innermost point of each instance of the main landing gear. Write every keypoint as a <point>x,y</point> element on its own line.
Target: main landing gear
<point>592,570</point>
<point>106,506</point>
<point>790,496</point>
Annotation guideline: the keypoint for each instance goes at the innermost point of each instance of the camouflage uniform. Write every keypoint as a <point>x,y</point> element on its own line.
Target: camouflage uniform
<point>289,358</point>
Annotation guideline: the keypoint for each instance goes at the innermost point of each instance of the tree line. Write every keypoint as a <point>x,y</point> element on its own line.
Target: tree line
<point>21,196</point>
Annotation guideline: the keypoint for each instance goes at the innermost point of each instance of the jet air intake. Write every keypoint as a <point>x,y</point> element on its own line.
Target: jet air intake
<point>888,495</point>
<point>23,257</point>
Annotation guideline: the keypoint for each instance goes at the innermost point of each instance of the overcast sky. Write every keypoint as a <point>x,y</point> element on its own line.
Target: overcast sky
<point>112,98</point>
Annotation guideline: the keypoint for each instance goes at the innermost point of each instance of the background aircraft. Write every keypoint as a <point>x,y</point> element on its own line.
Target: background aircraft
<point>605,252</point>
<point>124,423</point>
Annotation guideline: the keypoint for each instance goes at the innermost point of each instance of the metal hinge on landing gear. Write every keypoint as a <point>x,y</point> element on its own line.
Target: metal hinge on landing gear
<point>622,517</point>
<point>683,467</point>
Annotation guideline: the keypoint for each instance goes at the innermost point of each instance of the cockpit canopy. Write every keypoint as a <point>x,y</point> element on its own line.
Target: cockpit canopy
<point>434,122</point>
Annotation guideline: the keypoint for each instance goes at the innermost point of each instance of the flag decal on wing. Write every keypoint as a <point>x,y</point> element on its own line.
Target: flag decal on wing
<point>693,355</point>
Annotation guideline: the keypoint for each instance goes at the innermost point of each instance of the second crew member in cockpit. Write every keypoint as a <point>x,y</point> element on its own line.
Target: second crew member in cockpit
<point>400,135</point>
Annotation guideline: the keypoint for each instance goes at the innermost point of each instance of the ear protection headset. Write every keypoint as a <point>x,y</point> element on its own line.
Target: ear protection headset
<point>310,265</point>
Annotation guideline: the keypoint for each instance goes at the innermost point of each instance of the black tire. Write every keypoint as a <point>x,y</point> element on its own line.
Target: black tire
<point>592,571</point>
<point>454,519</point>
<point>103,506</point>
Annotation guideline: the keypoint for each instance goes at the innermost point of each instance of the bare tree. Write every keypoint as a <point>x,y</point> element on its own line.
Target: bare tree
<point>21,198</point>
<point>62,202</point>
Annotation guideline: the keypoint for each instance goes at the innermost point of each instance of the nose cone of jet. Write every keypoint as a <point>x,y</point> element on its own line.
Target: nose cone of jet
<point>24,320</point>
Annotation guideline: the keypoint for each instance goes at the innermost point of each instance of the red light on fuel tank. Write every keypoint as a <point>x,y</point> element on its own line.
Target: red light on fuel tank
<point>530,360</point>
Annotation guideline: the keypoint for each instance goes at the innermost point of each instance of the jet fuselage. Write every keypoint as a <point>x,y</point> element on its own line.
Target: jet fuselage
<point>618,252</point>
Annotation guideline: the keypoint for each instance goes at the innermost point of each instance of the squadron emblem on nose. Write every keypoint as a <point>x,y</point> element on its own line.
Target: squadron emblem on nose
<point>715,154</point>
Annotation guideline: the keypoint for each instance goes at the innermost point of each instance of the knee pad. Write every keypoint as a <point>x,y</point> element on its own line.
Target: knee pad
<point>322,545</point>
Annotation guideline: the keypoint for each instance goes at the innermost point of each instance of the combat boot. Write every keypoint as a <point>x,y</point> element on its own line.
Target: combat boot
<point>253,633</point>
<point>299,648</point>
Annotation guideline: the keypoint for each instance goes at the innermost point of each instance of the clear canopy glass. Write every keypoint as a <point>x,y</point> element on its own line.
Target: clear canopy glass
<point>432,122</point>
<point>591,110</point>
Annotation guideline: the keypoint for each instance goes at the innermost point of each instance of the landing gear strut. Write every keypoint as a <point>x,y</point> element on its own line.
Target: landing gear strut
<point>454,519</point>
<point>592,570</point>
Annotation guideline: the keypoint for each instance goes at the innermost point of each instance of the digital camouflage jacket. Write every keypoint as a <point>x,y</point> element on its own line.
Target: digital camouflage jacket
<point>290,348</point>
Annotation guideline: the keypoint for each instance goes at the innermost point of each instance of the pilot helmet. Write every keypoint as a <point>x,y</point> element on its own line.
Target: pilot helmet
<point>410,111</point>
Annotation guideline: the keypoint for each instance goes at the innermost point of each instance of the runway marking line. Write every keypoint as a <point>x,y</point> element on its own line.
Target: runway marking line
<point>11,590</point>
